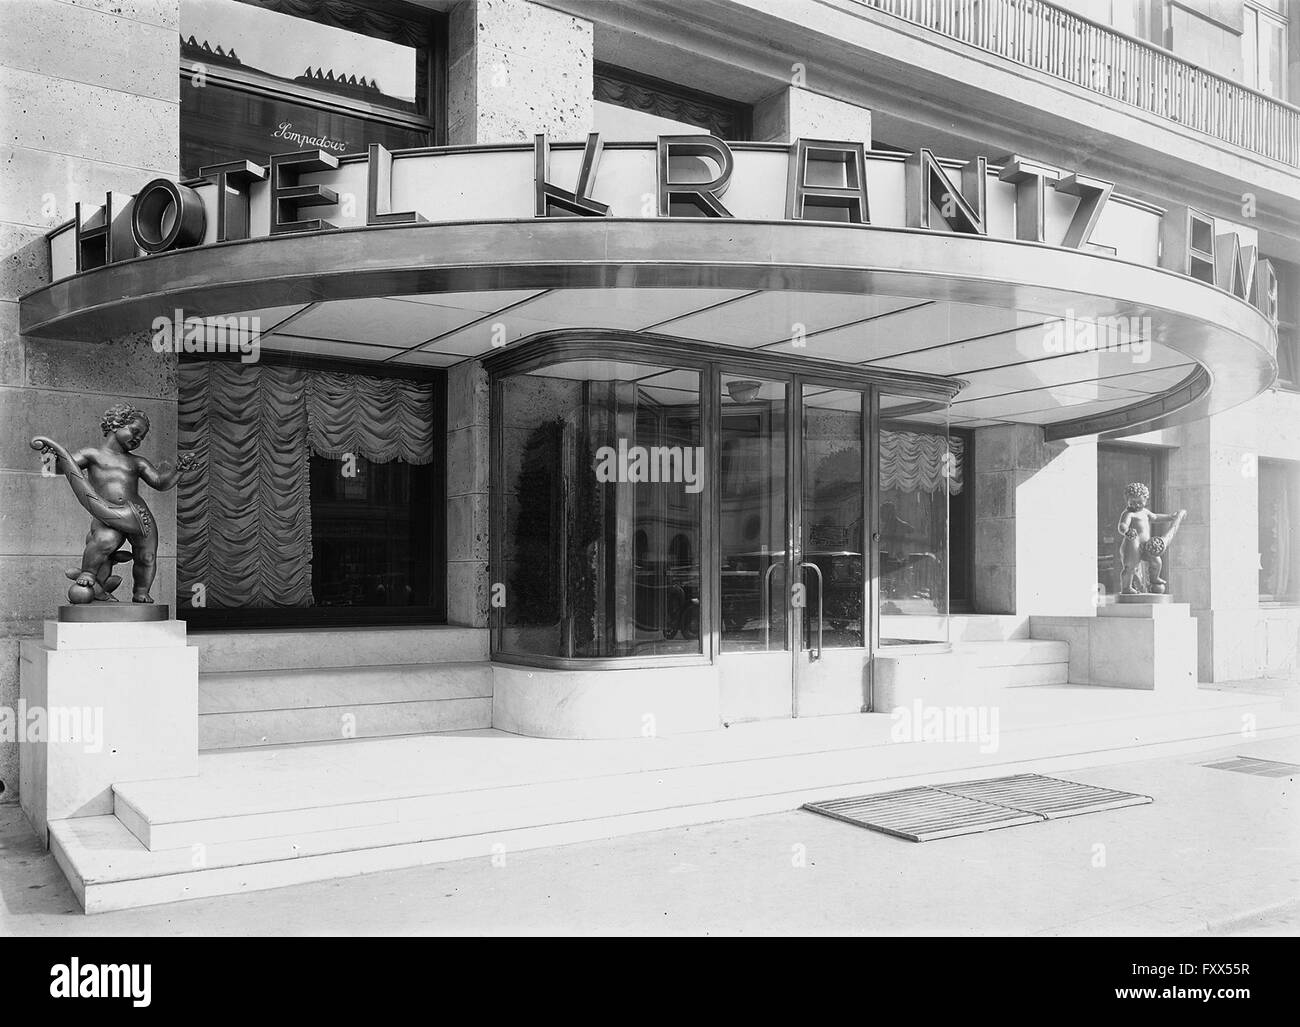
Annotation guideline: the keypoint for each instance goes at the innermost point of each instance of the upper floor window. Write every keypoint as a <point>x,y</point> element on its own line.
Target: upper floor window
<point>634,107</point>
<point>270,76</point>
<point>1263,47</point>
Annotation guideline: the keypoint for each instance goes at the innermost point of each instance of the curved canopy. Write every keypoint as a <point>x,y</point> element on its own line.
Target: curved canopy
<point>1079,342</point>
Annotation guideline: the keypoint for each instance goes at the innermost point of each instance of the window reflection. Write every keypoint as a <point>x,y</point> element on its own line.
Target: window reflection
<point>334,77</point>
<point>752,493</point>
<point>832,514</point>
<point>603,479</point>
<point>371,536</point>
<point>919,463</point>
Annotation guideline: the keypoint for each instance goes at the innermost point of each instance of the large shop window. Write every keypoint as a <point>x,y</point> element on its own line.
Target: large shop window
<point>922,469</point>
<point>601,487</point>
<point>317,496</point>
<point>1117,467</point>
<point>272,76</point>
<point>1279,531</point>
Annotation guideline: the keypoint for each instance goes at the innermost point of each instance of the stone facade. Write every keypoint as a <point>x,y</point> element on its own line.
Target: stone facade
<point>1035,522</point>
<point>75,129</point>
<point>1213,472</point>
<point>515,68</point>
<point>793,112</point>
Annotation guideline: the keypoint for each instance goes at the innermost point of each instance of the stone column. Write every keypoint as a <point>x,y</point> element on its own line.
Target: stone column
<point>515,68</point>
<point>1214,474</point>
<point>792,113</point>
<point>74,130</point>
<point>1035,522</point>
<point>468,530</point>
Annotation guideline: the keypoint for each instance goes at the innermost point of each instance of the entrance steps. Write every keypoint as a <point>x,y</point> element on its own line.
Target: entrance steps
<point>1015,662</point>
<point>262,818</point>
<point>276,687</point>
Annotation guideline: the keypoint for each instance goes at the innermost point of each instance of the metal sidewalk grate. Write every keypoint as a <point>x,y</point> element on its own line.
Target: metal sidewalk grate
<point>1257,767</point>
<point>969,807</point>
<point>1049,797</point>
<point>921,814</point>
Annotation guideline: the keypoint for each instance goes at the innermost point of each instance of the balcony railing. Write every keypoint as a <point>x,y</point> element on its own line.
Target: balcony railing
<point>1090,55</point>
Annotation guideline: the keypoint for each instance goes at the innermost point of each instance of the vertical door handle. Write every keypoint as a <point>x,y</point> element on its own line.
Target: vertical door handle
<point>767,611</point>
<point>817,655</point>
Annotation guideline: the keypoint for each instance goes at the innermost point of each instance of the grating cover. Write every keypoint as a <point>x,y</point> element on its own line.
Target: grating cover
<point>1260,768</point>
<point>1050,797</point>
<point>969,807</point>
<point>920,814</point>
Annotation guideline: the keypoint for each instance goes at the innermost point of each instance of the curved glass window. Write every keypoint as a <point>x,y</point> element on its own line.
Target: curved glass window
<point>921,466</point>
<point>600,512</point>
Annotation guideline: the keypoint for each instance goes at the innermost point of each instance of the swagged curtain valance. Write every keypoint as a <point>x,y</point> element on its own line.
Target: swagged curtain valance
<point>244,513</point>
<point>915,461</point>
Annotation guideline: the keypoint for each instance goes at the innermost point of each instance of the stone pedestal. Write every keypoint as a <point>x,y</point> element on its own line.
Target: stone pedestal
<point>1131,645</point>
<point>99,704</point>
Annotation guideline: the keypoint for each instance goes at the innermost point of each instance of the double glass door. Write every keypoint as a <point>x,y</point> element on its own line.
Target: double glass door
<point>794,542</point>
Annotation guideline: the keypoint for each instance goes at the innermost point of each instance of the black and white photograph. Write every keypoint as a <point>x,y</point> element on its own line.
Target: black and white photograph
<point>653,470</point>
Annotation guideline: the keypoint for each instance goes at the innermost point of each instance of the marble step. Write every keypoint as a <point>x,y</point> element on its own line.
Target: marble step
<point>265,819</point>
<point>1018,652</point>
<point>275,707</point>
<point>318,648</point>
<point>1023,675</point>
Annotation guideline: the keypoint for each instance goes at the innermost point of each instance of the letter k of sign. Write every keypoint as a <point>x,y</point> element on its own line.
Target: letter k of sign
<point>577,202</point>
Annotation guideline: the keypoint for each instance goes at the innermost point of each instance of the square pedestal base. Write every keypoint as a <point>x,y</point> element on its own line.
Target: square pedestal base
<point>1133,645</point>
<point>99,704</point>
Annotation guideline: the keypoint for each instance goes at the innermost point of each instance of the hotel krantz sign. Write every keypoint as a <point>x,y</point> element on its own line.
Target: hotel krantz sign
<point>314,191</point>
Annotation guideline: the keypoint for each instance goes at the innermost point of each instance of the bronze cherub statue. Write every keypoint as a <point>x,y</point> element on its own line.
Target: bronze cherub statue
<point>1141,543</point>
<point>106,482</point>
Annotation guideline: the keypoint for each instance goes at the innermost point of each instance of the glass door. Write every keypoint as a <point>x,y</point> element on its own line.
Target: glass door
<point>831,661</point>
<point>792,547</point>
<point>754,541</point>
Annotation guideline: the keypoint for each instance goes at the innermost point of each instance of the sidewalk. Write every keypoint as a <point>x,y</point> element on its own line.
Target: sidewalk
<point>1215,851</point>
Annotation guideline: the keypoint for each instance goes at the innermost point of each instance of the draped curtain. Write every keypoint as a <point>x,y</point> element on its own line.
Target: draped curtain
<point>244,513</point>
<point>381,419</point>
<point>915,461</point>
<point>243,516</point>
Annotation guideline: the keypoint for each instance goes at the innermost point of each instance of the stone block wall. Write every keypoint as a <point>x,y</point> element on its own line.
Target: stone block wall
<point>1035,522</point>
<point>73,130</point>
<point>515,68</point>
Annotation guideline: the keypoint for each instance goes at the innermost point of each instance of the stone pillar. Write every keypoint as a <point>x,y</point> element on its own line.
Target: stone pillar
<point>74,130</point>
<point>468,530</point>
<point>793,113</point>
<point>1035,522</point>
<point>1213,474</point>
<point>114,701</point>
<point>515,68</point>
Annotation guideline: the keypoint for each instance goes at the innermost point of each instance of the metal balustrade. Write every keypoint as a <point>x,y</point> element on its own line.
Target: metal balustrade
<point>1057,42</point>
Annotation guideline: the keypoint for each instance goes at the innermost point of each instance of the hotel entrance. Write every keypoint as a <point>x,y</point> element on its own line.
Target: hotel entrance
<point>793,540</point>
<point>657,505</point>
